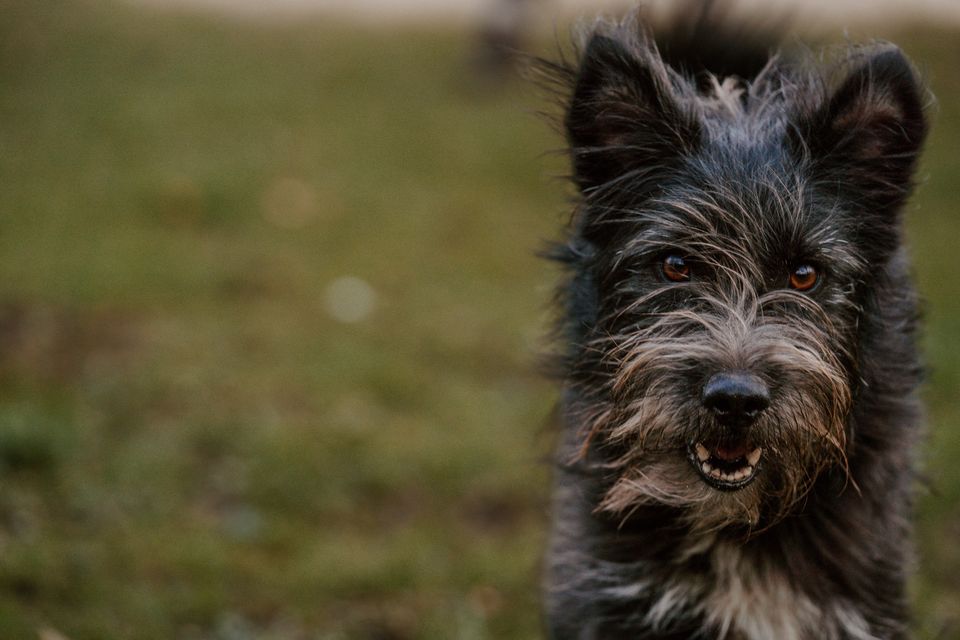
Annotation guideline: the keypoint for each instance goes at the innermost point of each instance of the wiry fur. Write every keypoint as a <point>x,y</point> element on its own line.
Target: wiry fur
<point>770,163</point>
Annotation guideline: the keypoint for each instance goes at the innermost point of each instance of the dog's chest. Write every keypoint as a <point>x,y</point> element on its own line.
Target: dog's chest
<point>743,600</point>
<point>747,602</point>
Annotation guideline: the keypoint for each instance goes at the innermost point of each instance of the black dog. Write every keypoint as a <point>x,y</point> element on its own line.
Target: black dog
<point>739,366</point>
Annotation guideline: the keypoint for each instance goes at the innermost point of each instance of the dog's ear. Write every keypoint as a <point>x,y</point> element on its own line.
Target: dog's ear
<point>623,117</point>
<point>865,138</point>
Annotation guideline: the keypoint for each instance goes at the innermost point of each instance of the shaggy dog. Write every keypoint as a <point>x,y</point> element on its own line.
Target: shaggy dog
<point>739,361</point>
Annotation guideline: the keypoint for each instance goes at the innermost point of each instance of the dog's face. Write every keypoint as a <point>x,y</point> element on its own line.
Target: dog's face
<point>726,335</point>
<point>727,239</point>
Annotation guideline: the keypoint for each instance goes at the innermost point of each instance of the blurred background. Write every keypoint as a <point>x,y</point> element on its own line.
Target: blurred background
<point>270,315</point>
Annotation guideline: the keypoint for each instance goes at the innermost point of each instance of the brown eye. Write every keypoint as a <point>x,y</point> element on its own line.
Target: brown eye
<point>675,268</point>
<point>804,277</point>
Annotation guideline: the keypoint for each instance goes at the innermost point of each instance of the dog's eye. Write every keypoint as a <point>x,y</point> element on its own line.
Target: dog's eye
<point>804,277</point>
<point>675,268</point>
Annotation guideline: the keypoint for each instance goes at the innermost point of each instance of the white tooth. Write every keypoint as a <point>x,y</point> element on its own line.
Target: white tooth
<point>707,467</point>
<point>754,456</point>
<point>716,473</point>
<point>702,453</point>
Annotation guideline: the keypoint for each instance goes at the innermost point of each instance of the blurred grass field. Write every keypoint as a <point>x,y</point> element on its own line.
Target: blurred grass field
<point>193,441</point>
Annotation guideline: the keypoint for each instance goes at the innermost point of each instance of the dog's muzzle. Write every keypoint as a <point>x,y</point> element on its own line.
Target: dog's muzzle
<point>735,399</point>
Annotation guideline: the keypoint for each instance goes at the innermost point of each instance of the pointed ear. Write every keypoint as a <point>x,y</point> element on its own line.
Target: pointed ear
<point>623,116</point>
<point>866,138</point>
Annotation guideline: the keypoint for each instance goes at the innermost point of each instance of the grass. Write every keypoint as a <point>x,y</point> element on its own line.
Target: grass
<point>192,445</point>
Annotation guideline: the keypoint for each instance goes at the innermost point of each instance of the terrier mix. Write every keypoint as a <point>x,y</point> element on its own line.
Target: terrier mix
<point>739,367</point>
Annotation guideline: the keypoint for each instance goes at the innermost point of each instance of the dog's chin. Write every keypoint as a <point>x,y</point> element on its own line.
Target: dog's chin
<point>726,466</point>
<point>707,503</point>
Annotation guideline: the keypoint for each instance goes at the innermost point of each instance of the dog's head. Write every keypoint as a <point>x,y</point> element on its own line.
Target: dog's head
<point>729,232</point>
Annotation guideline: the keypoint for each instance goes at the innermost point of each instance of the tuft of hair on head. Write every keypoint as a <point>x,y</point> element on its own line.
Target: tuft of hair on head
<point>711,38</point>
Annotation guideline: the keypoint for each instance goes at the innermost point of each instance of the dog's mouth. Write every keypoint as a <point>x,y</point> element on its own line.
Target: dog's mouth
<point>726,466</point>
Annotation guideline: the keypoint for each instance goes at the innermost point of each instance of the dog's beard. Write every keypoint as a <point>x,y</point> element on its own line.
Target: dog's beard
<point>791,456</point>
<point>660,445</point>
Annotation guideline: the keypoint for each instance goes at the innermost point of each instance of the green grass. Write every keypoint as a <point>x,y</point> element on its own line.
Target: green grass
<point>191,445</point>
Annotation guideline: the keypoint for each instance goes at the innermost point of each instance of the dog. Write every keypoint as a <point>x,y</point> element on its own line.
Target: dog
<point>738,328</point>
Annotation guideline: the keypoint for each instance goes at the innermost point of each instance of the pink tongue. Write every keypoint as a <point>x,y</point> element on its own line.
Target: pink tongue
<point>731,452</point>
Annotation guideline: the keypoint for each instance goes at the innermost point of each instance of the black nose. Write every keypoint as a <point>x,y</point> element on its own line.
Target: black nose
<point>735,398</point>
